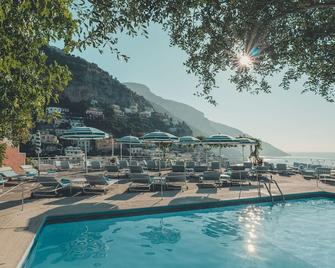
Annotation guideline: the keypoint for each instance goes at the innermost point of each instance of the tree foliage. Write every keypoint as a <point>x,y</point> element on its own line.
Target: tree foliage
<point>27,84</point>
<point>294,37</point>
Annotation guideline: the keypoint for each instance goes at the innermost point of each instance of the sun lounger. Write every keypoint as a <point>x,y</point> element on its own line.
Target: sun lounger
<point>176,180</point>
<point>123,164</point>
<point>50,186</point>
<point>140,182</point>
<point>178,168</point>
<point>322,171</point>
<point>133,163</point>
<point>239,177</point>
<point>95,165</point>
<point>65,165</point>
<point>152,165</point>
<point>247,165</point>
<point>29,170</point>
<point>98,183</point>
<point>200,168</point>
<point>215,165</point>
<point>9,174</point>
<point>282,169</point>
<point>308,174</point>
<point>136,169</point>
<point>210,179</point>
<point>190,165</point>
<point>114,172</point>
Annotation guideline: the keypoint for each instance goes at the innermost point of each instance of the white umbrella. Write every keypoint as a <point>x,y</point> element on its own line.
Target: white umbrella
<point>85,134</point>
<point>129,140</point>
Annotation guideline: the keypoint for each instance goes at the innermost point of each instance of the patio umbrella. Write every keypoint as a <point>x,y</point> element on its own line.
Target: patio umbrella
<point>245,141</point>
<point>129,140</point>
<point>220,140</point>
<point>85,134</point>
<point>159,137</point>
<point>186,140</point>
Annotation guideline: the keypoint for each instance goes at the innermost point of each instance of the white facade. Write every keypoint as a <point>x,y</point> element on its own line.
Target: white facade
<point>60,110</point>
<point>73,151</point>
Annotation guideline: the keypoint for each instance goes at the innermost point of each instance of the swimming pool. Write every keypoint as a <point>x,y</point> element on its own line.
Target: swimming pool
<point>297,233</point>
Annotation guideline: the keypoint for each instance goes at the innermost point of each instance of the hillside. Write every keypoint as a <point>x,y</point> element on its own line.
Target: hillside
<point>92,84</point>
<point>194,118</point>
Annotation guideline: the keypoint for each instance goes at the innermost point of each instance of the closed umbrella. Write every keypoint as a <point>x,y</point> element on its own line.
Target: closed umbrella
<point>85,134</point>
<point>130,140</point>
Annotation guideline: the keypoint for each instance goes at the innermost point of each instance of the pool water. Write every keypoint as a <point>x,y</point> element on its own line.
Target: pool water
<point>294,234</point>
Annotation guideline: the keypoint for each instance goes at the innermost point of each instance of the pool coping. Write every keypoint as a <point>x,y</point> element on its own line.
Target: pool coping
<point>54,219</point>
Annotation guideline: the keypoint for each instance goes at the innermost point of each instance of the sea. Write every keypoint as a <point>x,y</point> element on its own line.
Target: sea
<point>324,159</point>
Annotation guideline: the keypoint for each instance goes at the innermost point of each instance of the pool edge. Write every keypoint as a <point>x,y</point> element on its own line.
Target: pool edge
<point>53,219</point>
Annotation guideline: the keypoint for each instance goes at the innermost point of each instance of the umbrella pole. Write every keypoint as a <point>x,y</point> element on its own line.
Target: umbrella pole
<point>130,151</point>
<point>85,143</point>
<point>112,146</point>
<point>243,153</point>
<point>121,151</point>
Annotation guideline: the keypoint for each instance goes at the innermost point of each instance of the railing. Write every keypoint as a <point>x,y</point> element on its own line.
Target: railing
<point>12,189</point>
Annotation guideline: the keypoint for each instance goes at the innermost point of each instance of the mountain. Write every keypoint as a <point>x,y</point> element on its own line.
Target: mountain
<point>194,118</point>
<point>92,88</point>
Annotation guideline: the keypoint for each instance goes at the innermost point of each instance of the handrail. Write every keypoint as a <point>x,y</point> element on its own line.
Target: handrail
<point>279,189</point>
<point>15,187</point>
<point>269,191</point>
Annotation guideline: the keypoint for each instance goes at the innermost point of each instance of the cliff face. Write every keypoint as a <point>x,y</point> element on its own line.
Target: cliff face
<point>89,83</point>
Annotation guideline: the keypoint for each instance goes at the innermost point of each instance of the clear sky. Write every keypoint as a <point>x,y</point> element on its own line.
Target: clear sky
<point>287,119</point>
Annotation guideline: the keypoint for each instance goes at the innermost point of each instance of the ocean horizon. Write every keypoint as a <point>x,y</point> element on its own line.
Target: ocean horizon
<point>322,158</point>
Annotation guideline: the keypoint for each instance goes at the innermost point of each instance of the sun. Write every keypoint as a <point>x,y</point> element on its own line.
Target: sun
<point>245,61</point>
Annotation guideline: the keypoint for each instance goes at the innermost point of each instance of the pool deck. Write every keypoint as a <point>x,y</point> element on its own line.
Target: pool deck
<point>18,228</point>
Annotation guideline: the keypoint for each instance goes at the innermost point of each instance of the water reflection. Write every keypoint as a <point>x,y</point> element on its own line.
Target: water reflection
<point>219,226</point>
<point>162,234</point>
<point>80,242</point>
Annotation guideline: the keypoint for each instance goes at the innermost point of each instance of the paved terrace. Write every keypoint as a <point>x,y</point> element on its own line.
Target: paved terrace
<point>18,228</point>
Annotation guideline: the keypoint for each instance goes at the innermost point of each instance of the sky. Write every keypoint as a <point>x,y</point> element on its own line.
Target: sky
<point>289,120</point>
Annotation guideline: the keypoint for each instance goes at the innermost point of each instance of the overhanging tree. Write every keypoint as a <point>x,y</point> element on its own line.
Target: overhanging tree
<point>255,39</point>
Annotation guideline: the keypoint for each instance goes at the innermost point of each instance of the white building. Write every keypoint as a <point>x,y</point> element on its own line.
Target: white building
<point>45,138</point>
<point>117,111</point>
<point>60,110</point>
<point>131,110</point>
<point>73,151</point>
<point>94,113</point>
<point>145,114</point>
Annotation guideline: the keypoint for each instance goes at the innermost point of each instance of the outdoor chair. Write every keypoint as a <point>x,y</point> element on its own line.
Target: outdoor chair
<point>176,180</point>
<point>239,177</point>
<point>210,179</point>
<point>136,169</point>
<point>178,168</point>
<point>140,182</point>
<point>65,165</point>
<point>123,164</point>
<point>98,183</point>
<point>133,163</point>
<point>50,186</point>
<point>190,165</point>
<point>152,165</point>
<point>95,165</point>
<point>9,174</point>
